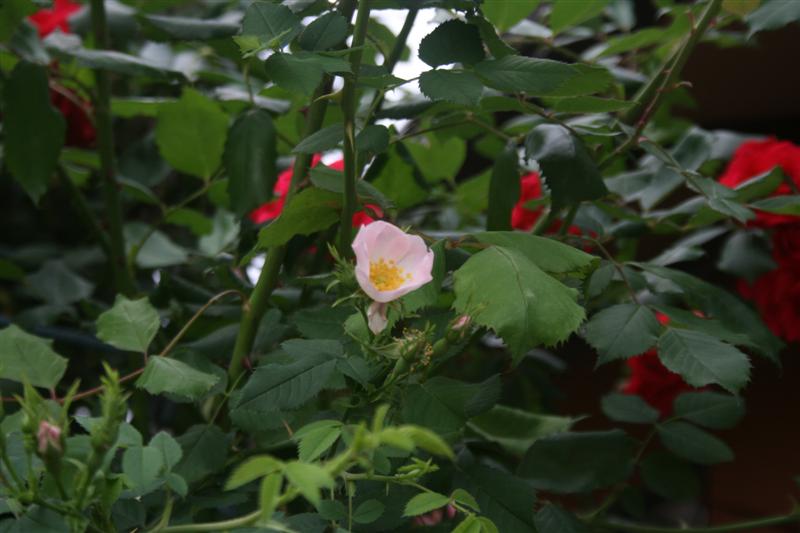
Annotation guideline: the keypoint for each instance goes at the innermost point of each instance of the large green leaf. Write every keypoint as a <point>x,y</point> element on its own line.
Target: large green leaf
<point>167,375</point>
<point>505,499</point>
<point>548,254</point>
<point>504,14</point>
<point>191,134</point>
<point>444,405</point>
<point>504,189</point>
<point>621,331</point>
<point>516,430</point>
<point>567,166</point>
<point>670,477</point>
<point>703,360</point>
<point>324,139</point>
<point>457,87</point>
<point>425,502</point>
<point>530,75</point>
<point>452,42</point>
<point>142,465</point>
<point>205,451</point>
<point>33,131</point>
<point>567,13</point>
<point>628,408</point>
<point>302,71</point>
<point>193,29</point>
<point>503,290</point>
<point>250,154</point>
<point>323,33</point>
<point>273,24</point>
<point>316,438</point>
<point>579,462</point>
<point>694,444</point>
<point>27,358</point>
<point>56,284</point>
<point>273,387</point>
<point>309,479</point>
<point>295,219</point>
<point>719,304</point>
<point>772,15</point>
<point>110,60</point>
<point>129,324</point>
<point>12,13</point>
<point>553,519</point>
<point>710,409</point>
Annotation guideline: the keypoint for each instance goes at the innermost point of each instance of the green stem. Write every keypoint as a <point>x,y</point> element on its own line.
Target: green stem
<point>739,526</point>
<point>105,144</point>
<point>349,108</point>
<point>268,279</point>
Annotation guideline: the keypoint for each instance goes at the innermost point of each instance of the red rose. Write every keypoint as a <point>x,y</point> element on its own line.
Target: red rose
<point>756,157</point>
<point>47,20</point>
<point>652,381</point>
<point>270,210</point>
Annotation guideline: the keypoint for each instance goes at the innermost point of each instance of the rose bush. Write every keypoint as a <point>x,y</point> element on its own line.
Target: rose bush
<point>205,328</point>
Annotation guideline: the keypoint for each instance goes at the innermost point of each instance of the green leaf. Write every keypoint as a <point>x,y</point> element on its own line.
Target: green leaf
<point>205,451</point>
<point>568,13</point>
<point>142,465</point>
<point>373,138</point>
<point>399,179</point>
<point>703,360</point>
<point>518,74</point>
<point>746,255</point>
<point>250,154</point>
<point>457,87</point>
<point>504,14</point>
<point>368,511</point>
<point>287,386</point>
<point>33,131</point>
<point>166,375</point>
<point>268,494</point>
<point>782,205</point>
<point>567,167</point>
<point>452,42</point>
<point>325,32</point>
<point>273,24</point>
<point>129,325</point>
<point>193,29</point>
<point>302,71</point>
<point>27,358</point>
<point>111,60</point>
<point>308,479</point>
<point>720,305</point>
<point>157,251</point>
<point>190,134</point>
<point>332,180</point>
<point>444,405</point>
<point>504,189</point>
<point>628,408</point>
<point>548,254</point>
<point>710,409</point>
<point>588,104</point>
<point>194,220</point>
<point>621,331</point>
<point>436,159</point>
<point>589,79</point>
<point>502,289</point>
<point>579,462</point>
<point>465,498</point>
<point>425,502</point>
<point>505,499</point>
<point>171,451</point>
<point>670,477</point>
<point>56,284</point>
<point>12,13</point>
<point>294,219</point>
<point>773,15</point>
<point>553,519</point>
<point>251,469</point>
<point>316,438</point>
<point>322,140</point>
<point>694,444</point>
<point>516,430</point>
<point>494,43</point>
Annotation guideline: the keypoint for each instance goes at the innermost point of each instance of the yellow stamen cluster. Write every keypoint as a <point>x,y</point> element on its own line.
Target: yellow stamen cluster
<point>386,276</point>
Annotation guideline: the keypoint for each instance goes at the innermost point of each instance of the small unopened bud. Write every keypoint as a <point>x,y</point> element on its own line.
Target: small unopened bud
<point>459,328</point>
<point>49,437</point>
<point>376,317</point>
<point>461,322</point>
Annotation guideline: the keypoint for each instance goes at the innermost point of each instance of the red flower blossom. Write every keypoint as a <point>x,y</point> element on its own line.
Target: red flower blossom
<point>77,112</point>
<point>523,218</point>
<point>756,157</point>
<point>652,381</point>
<point>270,210</point>
<point>48,20</point>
